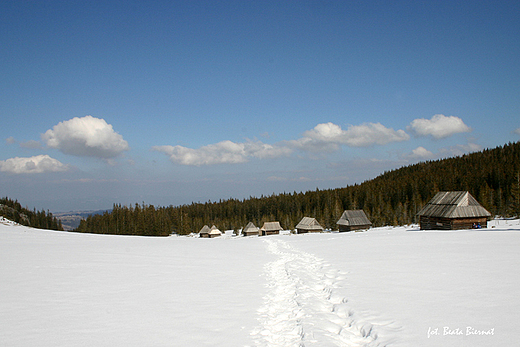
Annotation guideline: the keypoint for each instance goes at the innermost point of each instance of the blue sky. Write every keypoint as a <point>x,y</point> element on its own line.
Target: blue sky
<point>170,102</point>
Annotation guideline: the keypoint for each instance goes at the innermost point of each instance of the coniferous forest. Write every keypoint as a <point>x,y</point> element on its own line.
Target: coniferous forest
<point>13,210</point>
<point>492,176</point>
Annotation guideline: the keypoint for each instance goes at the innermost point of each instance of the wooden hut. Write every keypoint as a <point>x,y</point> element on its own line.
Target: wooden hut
<point>453,210</point>
<point>270,228</point>
<point>214,232</point>
<point>353,220</point>
<point>309,225</point>
<point>204,232</point>
<point>250,230</point>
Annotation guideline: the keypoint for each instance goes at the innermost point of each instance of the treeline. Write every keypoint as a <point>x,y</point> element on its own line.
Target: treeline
<point>393,198</point>
<point>13,210</point>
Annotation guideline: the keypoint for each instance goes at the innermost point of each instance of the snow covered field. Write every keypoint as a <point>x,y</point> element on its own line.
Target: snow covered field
<point>386,286</point>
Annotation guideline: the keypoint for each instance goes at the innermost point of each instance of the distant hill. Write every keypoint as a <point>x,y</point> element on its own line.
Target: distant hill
<point>70,220</point>
<point>492,176</point>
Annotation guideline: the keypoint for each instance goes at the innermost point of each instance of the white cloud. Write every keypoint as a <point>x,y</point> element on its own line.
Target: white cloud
<point>86,136</point>
<point>373,134</point>
<point>10,140</point>
<point>225,152</point>
<point>323,138</point>
<point>36,164</point>
<point>517,131</point>
<point>421,153</point>
<point>261,150</point>
<point>439,126</point>
<point>327,137</point>
<point>311,145</point>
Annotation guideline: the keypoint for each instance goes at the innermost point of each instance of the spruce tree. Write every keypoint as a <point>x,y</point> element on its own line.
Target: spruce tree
<point>514,207</point>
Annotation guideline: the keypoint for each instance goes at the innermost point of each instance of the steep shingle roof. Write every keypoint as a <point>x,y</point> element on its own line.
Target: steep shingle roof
<point>215,231</point>
<point>453,205</point>
<point>271,226</point>
<point>205,230</point>
<point>309,223</point>
<point>354,217</point>
<point>250,228</point>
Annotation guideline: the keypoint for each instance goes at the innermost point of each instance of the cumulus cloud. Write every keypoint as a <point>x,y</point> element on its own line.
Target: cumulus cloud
<point>261,150</point>
<point>313,145</point>
<point>421,153</point>
<point>323,138</point>
<point>225,152</point>
<point>36,164</point>
<point>86,136</point>
<point>373,134</point>
<point>439,126</point>
<point>328,137</point>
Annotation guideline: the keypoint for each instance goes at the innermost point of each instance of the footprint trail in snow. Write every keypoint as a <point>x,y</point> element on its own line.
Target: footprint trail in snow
<point>302,308</point>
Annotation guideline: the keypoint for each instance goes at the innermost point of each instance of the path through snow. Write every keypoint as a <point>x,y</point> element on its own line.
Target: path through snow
<point>304,306</point>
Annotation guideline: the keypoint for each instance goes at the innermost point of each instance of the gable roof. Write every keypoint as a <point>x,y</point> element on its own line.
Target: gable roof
<point>250,228</point>
<point>309,223</point>
<point>215,231</point>
<point>271,226</point>
<point>453,205</point>
<point>354,217</point>
<point>205,230</point>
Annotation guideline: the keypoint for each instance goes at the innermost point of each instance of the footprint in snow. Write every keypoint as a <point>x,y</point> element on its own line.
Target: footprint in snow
<point>302,308</point>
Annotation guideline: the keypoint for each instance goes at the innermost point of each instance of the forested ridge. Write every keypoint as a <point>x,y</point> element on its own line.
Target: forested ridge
<point>492,176</point>
<point>13,210</point>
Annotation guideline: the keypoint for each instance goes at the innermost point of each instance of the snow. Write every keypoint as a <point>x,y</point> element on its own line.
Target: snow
<point>383,287</point>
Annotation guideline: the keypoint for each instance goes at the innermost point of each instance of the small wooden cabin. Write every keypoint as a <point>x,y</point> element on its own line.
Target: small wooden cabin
<point>270,228</point>
<point>250,230</point>
<point>453,210</point>
<point>353,220</point>
<point>309,225</point>
<point>214,232</point>
<point>204,232</point>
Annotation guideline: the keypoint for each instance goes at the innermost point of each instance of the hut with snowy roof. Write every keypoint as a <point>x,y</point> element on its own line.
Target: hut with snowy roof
<point>353,220</point>
<point>214,232</point>
<point>270,228</point>
<point>453,210</point>
<point>309,225</point>
<point>250,230</point>
<point>204,232</point>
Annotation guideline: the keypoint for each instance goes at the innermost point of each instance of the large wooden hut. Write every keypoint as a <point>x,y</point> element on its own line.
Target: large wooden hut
<point>204,232</point>
<point>250,230</point>
<point>309,225</point>
<point>353,220</point>
<point>453,210</point>
<point>270,228</point>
